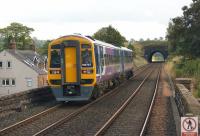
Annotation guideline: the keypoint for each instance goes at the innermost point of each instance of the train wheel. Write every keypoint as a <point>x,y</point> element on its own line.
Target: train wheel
<point>95,93</point>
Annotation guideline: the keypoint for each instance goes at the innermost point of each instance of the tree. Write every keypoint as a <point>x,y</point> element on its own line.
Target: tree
<point>19,33</point>
<point>1,43</point>
<point>130,46</point>
<point>161,38</point>
<point>148,39</point>
<point>110,35</point>
<point>141,40</point>
<point>183,32</point>
<point>43,50</point>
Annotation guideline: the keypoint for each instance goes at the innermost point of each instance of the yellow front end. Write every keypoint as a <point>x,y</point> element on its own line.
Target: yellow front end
<point>72,68</point>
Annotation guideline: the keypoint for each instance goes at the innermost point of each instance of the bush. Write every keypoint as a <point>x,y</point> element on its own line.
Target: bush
<point>198,89</point>
<point>189,68</point>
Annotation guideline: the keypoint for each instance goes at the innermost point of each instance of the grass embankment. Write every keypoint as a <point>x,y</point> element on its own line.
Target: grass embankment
<point>139,59</point>
<point>179,67</point>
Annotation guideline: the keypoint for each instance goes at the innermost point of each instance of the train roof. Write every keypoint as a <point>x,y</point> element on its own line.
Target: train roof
<point>79,35</point>
<point>126,49</point>
<point>94,41</point>
<point>98,42</point>
<point>105,44</point>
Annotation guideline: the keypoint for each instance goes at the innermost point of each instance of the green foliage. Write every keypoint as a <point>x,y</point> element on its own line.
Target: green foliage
<point>138,49</point>
<point>1,44</point>
<point>43,49</point>
<point>183,32</point>
<point>138,59</point>
<point>110,35</point>
<point>189,68</point>
<point>19,33</point>
<point>198,90</point>
<point>154,43</point>
<point>130,46</point>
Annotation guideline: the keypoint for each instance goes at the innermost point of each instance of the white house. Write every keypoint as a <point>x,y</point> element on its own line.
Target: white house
<point>21,70</point>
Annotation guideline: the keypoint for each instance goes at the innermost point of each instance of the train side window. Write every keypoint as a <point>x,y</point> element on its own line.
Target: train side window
<point>101,58</point>
<point>96,48</point>
<point>110,59</point>
<point>105,56</point>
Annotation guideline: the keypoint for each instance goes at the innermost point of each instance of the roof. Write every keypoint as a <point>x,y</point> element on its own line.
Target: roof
<point>27,57</point>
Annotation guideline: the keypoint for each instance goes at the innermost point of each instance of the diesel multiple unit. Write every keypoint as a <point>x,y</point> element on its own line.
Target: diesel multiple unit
<point>81,68</point>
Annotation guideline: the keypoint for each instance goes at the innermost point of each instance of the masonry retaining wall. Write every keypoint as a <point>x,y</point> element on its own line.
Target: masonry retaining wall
<point>20,100</point>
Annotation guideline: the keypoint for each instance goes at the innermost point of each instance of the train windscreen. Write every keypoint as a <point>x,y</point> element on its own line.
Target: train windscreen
<point>55,59</point>
<point>86,56</point>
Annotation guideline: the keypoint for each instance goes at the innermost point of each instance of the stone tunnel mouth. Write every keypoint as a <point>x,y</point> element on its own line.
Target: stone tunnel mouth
<point>157,57</point>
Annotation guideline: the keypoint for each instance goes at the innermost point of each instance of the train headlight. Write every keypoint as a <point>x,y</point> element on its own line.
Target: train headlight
<point>88,71</point>
<point>55,72</point>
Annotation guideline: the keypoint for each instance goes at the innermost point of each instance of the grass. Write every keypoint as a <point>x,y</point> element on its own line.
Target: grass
<point>139,60</point>
<point>180,67</point>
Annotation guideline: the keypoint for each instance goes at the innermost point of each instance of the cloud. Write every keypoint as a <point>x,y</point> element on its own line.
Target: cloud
<point>51,18</point>
<point>130,30</point>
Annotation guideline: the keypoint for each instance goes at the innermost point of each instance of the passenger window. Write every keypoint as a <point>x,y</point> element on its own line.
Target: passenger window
<point>96,48</point>
<point>101,58</point>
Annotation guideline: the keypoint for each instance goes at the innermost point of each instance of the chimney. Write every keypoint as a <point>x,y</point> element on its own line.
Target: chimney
<point>12,45</point>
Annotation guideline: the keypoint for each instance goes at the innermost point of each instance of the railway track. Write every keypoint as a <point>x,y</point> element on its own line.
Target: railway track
<point>49,117</point>
<point>129,119</point>
<point>39,121</point>
<point>89,118</point>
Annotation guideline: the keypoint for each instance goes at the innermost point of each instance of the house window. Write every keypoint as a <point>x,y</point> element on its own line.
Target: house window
<point>1,64</point>
<point>9,64</point>
<point>3,82</point>
<point>7,82</point>
<point>29,82</point>
<point>13,82</point>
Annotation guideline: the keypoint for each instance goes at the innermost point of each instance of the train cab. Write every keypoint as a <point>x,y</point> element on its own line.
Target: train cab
<point>72,71</point>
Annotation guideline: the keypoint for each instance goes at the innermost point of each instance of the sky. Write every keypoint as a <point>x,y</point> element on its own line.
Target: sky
<point>54,18</point>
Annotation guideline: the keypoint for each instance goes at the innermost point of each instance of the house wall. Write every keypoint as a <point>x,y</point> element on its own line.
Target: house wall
<point>18,71</point>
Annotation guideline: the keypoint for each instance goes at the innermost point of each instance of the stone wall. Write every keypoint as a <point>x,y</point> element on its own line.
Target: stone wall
<point>186,102</point>
<point>20,100</point>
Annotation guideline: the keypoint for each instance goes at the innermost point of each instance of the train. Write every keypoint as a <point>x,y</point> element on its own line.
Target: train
<point>81,68</point>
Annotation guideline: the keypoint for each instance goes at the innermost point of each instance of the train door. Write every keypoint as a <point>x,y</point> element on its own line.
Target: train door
<point>70,63</point>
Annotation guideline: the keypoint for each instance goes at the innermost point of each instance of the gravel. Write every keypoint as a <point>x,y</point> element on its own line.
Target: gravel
<point>130,121</point>
<point>12,117</point>
<point>162,121</point>
<point>89,121</point>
